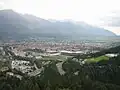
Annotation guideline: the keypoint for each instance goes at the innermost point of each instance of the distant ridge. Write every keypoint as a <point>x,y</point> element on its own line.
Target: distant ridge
<point>14,25</point>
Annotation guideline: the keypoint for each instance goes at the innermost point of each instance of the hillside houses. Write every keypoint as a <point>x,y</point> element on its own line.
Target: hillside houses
<point>23,66</point>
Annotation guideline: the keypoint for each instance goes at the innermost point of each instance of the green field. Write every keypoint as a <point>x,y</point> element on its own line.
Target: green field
<point>97,59</point>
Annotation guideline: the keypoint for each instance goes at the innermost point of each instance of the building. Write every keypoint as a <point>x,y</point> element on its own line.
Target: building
<point>111,55</point>
<point>23,66</point>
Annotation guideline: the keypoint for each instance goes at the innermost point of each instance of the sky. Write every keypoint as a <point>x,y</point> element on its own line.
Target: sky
<point>101,13</point>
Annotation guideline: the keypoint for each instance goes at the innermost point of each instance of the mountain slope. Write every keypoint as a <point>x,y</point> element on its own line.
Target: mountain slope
<point>14,25</point>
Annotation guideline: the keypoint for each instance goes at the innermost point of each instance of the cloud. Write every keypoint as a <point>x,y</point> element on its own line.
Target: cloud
<point>114,22</point>
<point>4,4</point>
<point>1,5</point>
<point>112,19</point>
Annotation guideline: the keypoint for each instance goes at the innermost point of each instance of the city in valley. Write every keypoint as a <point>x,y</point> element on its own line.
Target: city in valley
<point>30,58</point>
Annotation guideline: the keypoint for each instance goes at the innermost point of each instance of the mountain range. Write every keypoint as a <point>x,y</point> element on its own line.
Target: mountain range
<point>14,25</point>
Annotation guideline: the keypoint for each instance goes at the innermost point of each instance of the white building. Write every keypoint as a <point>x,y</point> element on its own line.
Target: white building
<point>111,55</point>
<point>38,57</point>
<point>23,66</point>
